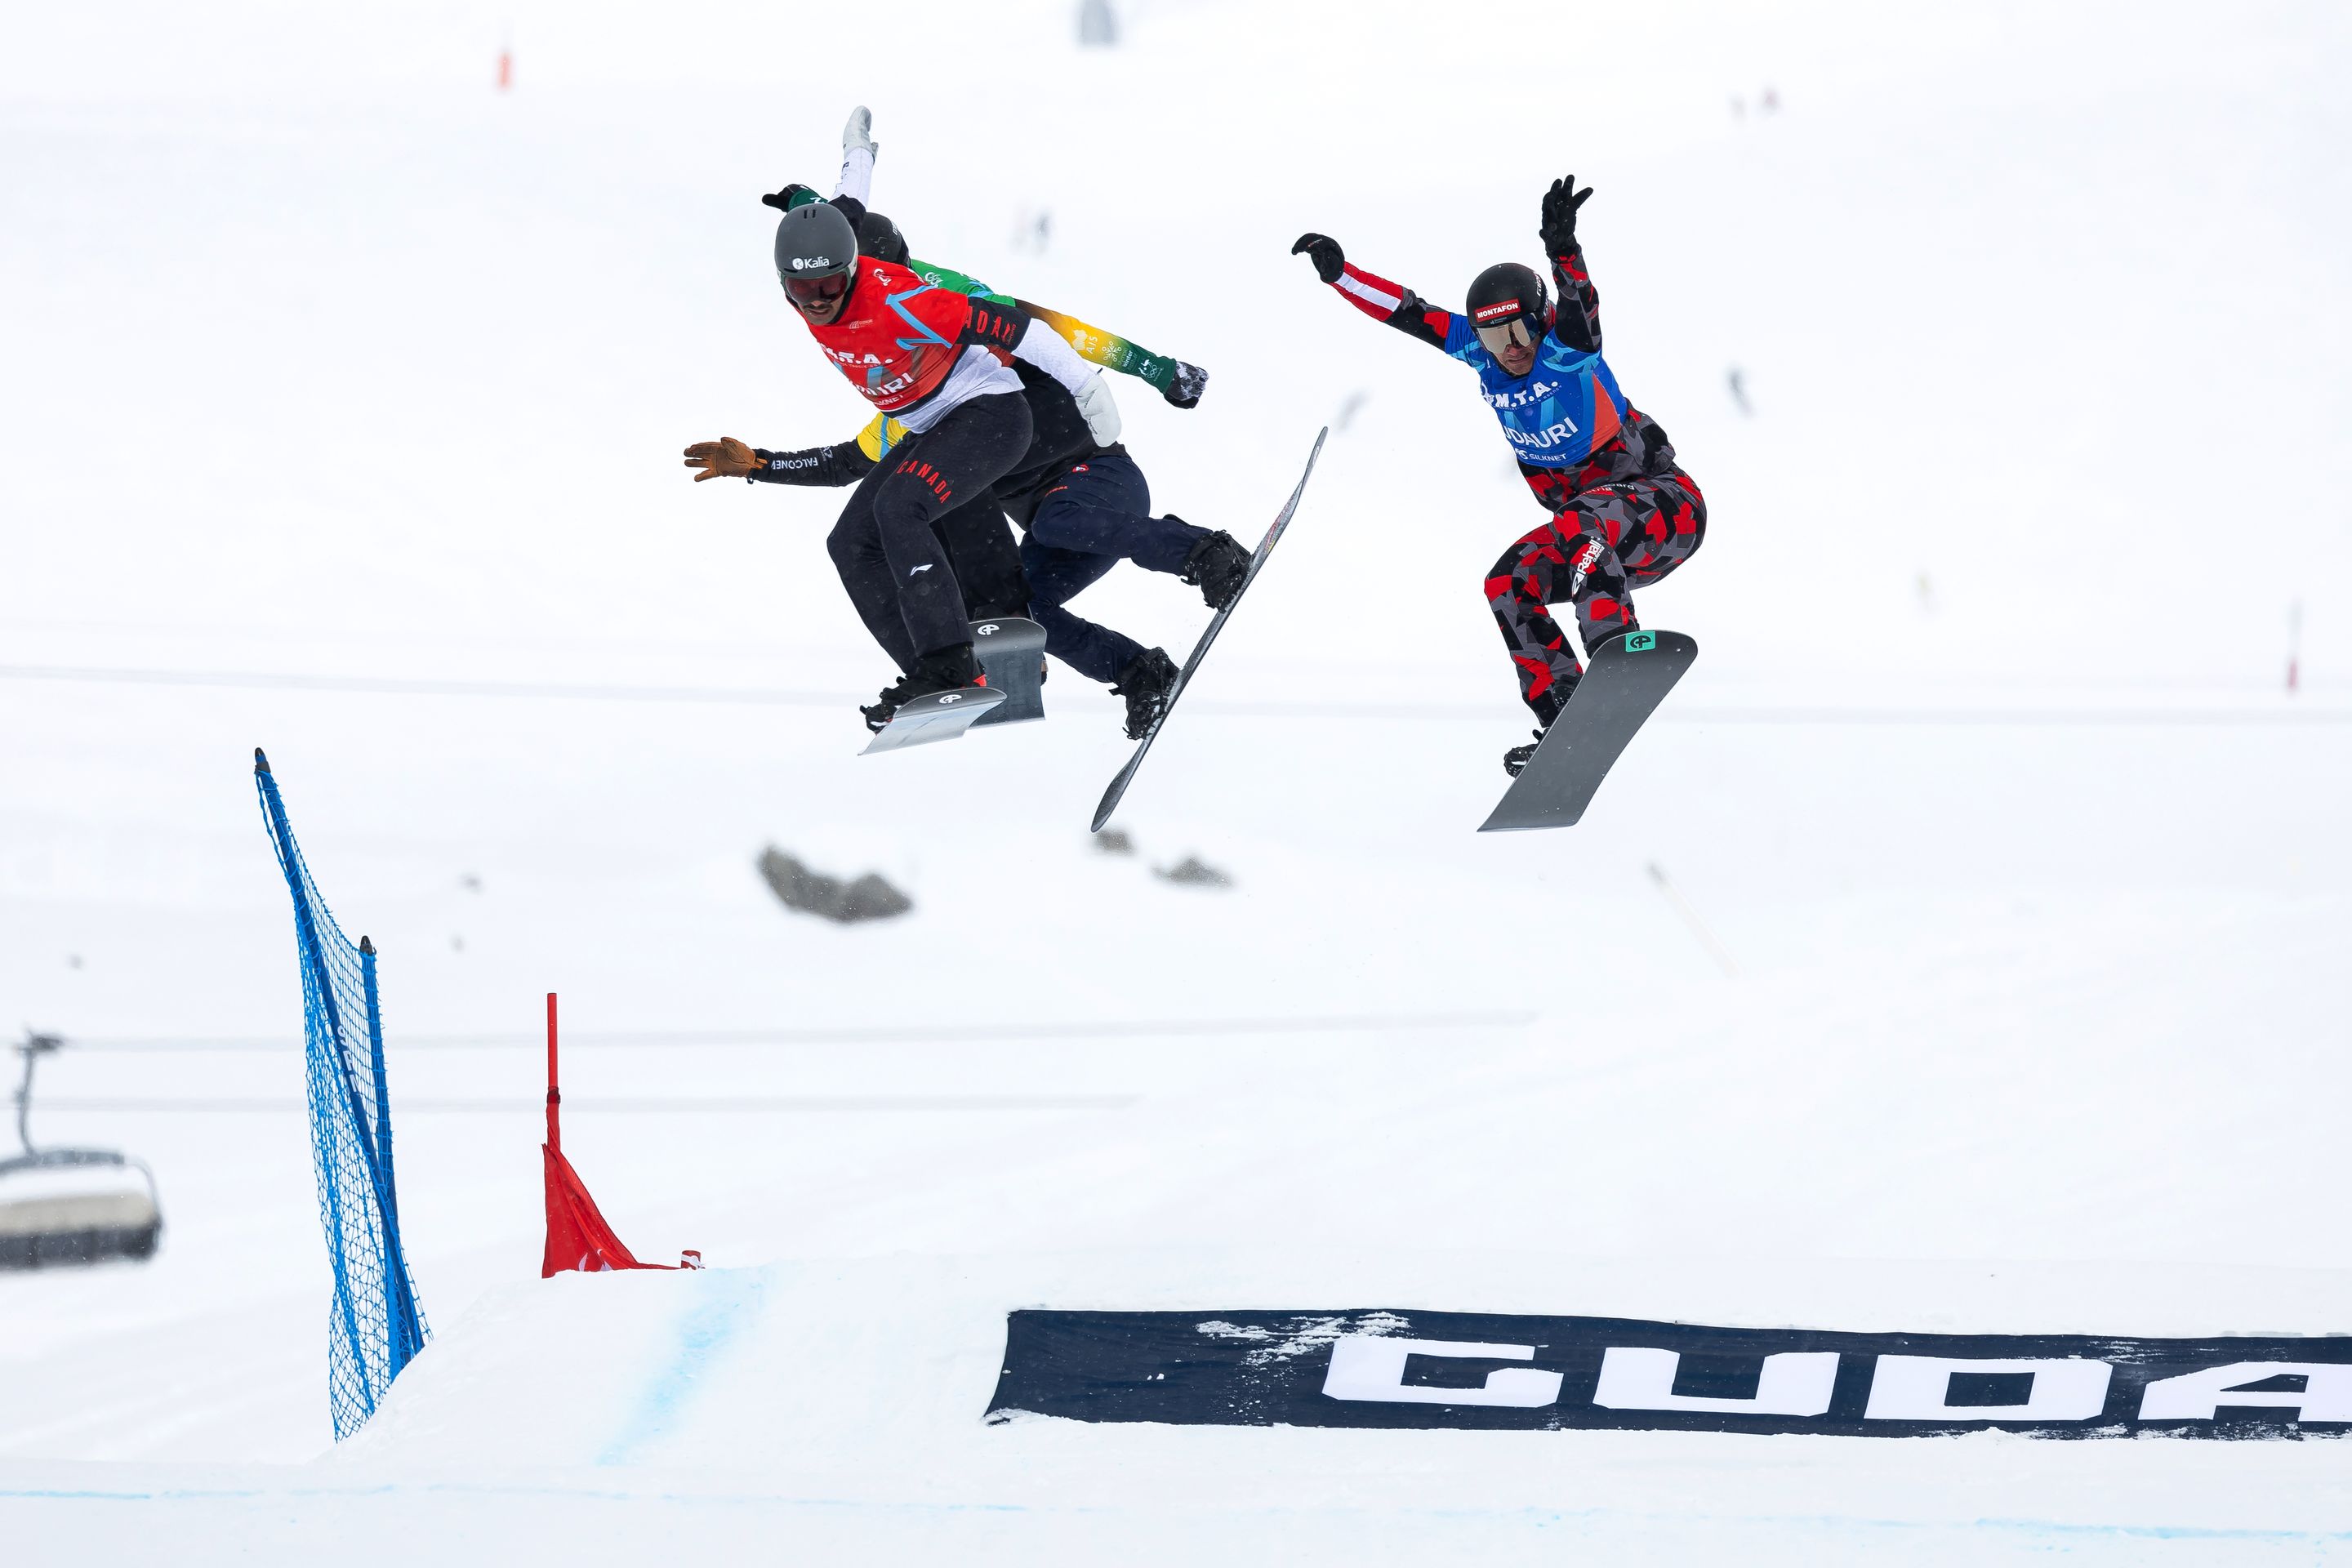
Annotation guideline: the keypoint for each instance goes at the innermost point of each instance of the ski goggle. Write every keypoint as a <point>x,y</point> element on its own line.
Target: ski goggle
<point>807,293</point>
<point>1505,334</point>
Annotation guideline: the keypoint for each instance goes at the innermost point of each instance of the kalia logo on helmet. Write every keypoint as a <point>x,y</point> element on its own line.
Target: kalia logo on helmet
<point>802,262</point>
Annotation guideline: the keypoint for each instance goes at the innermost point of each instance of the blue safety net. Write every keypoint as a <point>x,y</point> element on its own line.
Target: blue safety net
<point>373,1324</point>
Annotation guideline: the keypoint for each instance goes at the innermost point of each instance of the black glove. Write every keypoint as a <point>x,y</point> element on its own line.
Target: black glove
<point>1189,381</point>
<point>1560,205</point>
<point>1324,252</point>
<point>783,200</point>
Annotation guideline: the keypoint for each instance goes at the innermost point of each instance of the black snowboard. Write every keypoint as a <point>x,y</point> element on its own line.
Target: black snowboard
<point>1200,650</point>
<point>1011,654</point>
<point>1628,678</point>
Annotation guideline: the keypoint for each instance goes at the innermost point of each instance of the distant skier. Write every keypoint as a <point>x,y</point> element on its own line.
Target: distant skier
<point>1623,512</point>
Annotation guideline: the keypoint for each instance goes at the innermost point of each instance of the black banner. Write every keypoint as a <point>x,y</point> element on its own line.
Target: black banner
<point>1462,1368</point>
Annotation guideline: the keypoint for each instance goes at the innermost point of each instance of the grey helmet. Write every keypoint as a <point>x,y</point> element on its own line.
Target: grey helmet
<point>814,242</point>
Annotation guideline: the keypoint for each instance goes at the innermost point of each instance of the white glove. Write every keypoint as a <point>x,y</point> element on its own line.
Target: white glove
<point>854,137</point>
<point>1102,414</point>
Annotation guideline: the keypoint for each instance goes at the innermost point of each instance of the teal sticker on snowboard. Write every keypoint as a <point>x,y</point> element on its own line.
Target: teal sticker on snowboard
<point>1641,642</point>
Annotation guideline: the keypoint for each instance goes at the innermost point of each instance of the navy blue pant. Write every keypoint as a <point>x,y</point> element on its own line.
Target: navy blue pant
<point>1100,514</point>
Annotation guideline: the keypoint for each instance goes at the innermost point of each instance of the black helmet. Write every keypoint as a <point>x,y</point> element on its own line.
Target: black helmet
<point>1505,295</point>
<point>816,253</point>
<point>878,238</point>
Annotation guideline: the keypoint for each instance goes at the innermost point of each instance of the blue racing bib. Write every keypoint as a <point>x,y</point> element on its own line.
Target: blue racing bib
<point>1554,415</point>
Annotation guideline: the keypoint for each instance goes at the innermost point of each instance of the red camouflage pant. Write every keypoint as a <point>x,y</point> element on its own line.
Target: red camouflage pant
<point>1600,543</point>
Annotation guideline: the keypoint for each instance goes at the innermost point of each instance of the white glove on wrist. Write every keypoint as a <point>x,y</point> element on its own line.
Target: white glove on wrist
<point>853,135</point>
<point>1101,414</point>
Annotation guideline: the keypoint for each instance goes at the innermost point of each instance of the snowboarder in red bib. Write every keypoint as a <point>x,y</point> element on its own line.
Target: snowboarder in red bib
<point>1623,513</point>
<point>940,364</point>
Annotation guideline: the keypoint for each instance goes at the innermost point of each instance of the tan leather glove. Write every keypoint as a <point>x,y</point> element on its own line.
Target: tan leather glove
<point>725,458</point>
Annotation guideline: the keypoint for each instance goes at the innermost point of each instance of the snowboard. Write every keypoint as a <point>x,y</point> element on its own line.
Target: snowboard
<point>1011,654</point>
<point>1622,687</point>
<point>941,716</point>
<point>1118,789</point>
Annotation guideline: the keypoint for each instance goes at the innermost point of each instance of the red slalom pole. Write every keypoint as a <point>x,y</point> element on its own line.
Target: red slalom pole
<point>554,1096</point>
<point>577,1235</point>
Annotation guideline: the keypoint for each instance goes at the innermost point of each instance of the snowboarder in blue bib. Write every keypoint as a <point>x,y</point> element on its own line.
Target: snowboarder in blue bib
<point>1623,513</point>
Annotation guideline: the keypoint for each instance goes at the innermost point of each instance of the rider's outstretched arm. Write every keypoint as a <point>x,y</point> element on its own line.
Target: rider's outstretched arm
<point>1178,383</point>
<point>857,149</point>
<point>1040,346</point>
<point>856,178</point>
<point>1181,384</point>
<point>1577,322</point>
<point>1381,300</point>
<point>843,463</point>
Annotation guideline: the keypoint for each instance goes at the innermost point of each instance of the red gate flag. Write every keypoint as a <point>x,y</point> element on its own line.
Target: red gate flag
<point>577,1235</point>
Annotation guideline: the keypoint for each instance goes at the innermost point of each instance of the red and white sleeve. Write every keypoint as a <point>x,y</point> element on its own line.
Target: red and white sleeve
<point>1376,297</point>
<point>1395,305</point>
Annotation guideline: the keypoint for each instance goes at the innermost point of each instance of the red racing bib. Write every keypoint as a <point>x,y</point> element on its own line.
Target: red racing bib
<point>899,336</point>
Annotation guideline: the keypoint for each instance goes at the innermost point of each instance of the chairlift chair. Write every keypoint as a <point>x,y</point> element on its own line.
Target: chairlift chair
<point>71,1206</point>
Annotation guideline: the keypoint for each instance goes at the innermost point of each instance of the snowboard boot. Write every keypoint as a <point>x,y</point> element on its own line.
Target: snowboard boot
<point>944,670</point>
<point>1146,682</point>
<point>879,712</point>
<point>1516,760</point>
<point>947,669</point>
<point>1218,566</point>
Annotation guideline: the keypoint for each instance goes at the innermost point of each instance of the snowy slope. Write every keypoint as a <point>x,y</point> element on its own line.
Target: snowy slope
<point>328,360</point>
<point>832,1408</point>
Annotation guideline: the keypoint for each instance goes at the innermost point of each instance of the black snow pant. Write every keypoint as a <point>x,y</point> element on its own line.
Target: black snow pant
<point>897,573</point>
<point>1100,514</point>
<point>986,558</point>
